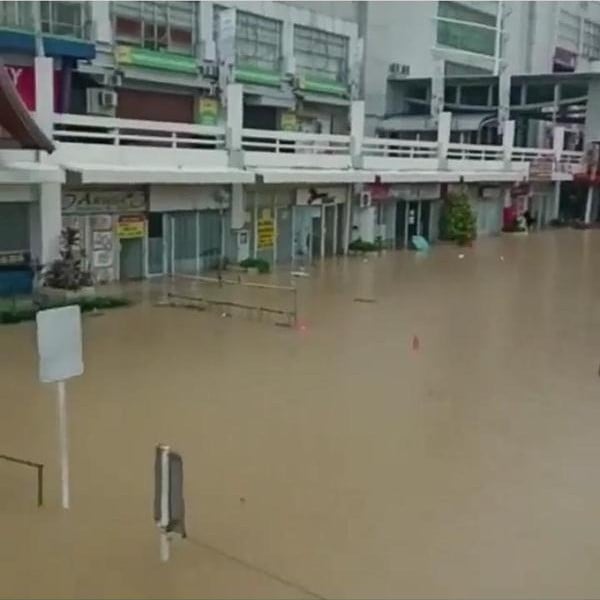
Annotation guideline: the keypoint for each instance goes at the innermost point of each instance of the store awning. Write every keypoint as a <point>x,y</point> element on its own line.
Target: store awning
<point>16,119</point>
<point>418,176</point>
<point>116,174</point>
<point>315,175</point>
<point>17,173</point>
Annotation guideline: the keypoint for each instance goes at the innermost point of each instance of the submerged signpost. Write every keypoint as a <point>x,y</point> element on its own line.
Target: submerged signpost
<point>60,358</point>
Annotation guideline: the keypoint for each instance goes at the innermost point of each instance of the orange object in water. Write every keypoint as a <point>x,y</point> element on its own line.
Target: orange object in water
<point>415,343</point>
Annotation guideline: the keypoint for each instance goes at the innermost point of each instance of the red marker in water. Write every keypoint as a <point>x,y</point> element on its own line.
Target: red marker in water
<point>415,343</point>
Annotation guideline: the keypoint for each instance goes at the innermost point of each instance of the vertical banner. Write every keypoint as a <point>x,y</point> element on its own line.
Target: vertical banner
<point>208,111</point>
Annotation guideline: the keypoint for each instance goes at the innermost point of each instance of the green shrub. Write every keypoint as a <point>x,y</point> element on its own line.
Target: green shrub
<point>360,246</point>
<point>16,314</point>
<point>461,220</point>
<point>260,264</point>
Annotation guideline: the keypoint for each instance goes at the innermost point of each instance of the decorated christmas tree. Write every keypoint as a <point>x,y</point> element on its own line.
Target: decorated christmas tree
<point>461,221</point>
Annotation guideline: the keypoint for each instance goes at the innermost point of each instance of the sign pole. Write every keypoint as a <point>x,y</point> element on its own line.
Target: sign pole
<point>63,442</point>
<point>165,485</point>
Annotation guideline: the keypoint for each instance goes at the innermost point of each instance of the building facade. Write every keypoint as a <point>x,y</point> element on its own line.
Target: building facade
<point>187,133</point>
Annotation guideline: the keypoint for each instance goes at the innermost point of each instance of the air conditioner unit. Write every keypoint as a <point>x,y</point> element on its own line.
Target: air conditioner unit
<point>398,70</point>
<point>210,70</point>
<point>365,199</point>
<point>111,80</point>
<point>101,101</point>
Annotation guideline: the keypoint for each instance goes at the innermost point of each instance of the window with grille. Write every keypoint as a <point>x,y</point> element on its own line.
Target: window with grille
<point>69,19</point>
<point>18,15</point>
<point>569,27</point>
<point>321,54</point>
<point>591,40</point>
<point>167,26</point>
<point>257,42</point>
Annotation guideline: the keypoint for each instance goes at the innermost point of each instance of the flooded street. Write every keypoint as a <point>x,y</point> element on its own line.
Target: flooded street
<point>440,441</point>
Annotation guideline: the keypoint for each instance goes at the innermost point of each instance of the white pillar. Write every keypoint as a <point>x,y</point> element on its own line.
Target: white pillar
<point>287,47</point>
<point>508,141</point>
<point>366,224</point>
<point>556,211</point>
<point>48,222</point>
<point>588,204</point>
<point>357,131</point>
<point>235,115</point>
<point>238,217</point>
<point>443,137</point>
<point>348,216</point>
<point>44,93</point>
<point>558,143</point>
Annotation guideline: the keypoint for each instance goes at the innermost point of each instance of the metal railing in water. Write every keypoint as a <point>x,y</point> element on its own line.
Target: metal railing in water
<point>40,473</point>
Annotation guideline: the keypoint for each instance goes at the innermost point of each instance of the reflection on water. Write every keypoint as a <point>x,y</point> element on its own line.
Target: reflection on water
<point>342,460</point>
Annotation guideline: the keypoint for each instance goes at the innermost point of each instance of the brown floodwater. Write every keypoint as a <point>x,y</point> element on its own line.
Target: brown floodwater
<point>343,460</point>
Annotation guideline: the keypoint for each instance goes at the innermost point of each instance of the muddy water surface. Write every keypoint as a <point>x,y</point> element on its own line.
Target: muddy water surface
<point>341,461</point>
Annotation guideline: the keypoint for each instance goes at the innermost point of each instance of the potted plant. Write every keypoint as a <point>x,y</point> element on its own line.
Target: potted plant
<point>65,278</point>
<point>361,247</point>
<point>461,222</point>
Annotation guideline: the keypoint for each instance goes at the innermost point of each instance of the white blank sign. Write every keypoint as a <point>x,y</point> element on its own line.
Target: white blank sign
<point>59,343</point>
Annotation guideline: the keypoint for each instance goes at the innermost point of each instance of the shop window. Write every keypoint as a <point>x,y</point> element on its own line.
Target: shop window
<point>257,42</point>
<point>321,54</point>
<point>69,19</point>
<point>17,15</point>
<point>161,26</point>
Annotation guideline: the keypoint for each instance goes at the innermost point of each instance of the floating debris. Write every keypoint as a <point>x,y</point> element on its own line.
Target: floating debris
<point>366,300</point>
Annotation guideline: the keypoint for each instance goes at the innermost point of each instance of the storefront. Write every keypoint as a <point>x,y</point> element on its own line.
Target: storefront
<point>189,228</point>
<point>488,206</point>
<point>403,211</point>
<point>112,224</point>
<point>15,235</point>
<point>296,224</point>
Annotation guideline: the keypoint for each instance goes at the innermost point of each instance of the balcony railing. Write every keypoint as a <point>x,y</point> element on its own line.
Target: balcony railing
<point>474,152</point>
<point>395,148</point>
<point>128,132</point>
<point>259,140</point>
<point>285,149</point>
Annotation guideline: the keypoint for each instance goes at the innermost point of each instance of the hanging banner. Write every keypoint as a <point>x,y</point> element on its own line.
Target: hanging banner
<point>266,233</point>
<point>289,121</point>
<point>131,226</point>
<point>208,111</point>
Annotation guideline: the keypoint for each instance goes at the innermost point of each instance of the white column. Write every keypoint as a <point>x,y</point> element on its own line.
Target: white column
<point>357,131</point>
<point>556,211</point>
<point>287,47</point>
<point>508,140</point>
<point>558,143</point>
<point>205,16</point>
<point>443,138</point>
<point>49,224</point>
<point>366,224</point>
<point>238,217</point>
<point>235,115</point>
<point>588,204</point>
<point>348,216</point>
<point>44,93</point>
<point>102,21</point>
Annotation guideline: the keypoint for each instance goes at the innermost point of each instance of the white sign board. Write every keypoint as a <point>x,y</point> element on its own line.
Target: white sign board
<point>59,343</point>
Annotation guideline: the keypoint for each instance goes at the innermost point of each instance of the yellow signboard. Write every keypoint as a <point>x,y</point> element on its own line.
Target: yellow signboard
<point>266,233</point>
<point>131,226</point>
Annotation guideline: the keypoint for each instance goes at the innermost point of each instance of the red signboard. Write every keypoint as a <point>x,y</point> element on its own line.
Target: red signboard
<point>24,80</point>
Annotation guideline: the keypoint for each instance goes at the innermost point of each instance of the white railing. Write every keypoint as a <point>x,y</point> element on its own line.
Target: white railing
<point>395,148</point>
<point>474,152</point>
<point>571,157</point>
<point>262,140</point>
<point>130,132</point>
<point>521,154</point>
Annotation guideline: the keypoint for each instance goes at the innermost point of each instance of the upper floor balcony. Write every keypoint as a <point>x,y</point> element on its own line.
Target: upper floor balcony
<point>112,150</point>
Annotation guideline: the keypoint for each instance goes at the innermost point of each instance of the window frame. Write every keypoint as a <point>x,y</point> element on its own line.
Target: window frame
<point>315,46</point>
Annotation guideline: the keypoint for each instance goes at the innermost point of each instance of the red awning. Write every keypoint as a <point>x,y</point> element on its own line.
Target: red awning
<point>17,120</point>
